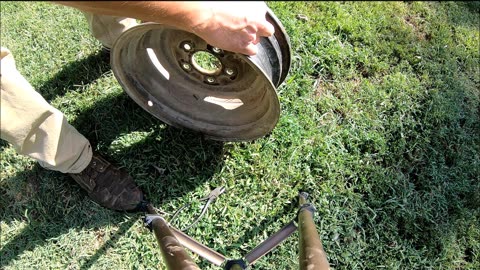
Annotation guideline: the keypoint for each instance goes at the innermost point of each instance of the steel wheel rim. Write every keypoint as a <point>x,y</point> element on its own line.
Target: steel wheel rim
<point>154,65</point>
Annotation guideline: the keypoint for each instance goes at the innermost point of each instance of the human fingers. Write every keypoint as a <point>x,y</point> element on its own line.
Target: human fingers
<point>265,29</point>
<point>251,49</point>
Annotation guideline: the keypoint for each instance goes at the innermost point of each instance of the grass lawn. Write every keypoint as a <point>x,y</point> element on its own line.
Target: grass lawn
<point>380,123</point>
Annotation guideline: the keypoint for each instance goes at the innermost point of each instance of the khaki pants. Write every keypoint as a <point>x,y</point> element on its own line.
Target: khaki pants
<point>33,126</point>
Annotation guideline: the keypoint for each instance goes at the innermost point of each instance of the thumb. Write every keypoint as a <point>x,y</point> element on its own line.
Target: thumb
<point>265,29</point>
<point>251,49</point>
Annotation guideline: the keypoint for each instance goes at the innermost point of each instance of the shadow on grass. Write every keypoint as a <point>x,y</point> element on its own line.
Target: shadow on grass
<point>55,204</point>
<point>287,210</point>
<point>113,240</point>
<point>75,74</point>
<point>185,157</point>
<point>473,6</point>
<point>51,210</point>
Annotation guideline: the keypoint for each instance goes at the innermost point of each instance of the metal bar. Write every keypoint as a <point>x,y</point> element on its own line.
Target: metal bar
<point>270,243</point>
<point>198,248</point>
<point>312,256</point>
<point>174,254</point>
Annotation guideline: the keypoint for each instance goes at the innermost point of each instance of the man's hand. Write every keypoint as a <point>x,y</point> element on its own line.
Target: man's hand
<point>233,26</point>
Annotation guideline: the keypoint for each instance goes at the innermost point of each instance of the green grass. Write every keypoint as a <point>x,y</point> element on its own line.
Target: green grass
<point>380,122</point>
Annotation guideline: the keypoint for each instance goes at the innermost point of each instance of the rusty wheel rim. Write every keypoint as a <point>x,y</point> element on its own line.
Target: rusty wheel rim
<point>237,101</point>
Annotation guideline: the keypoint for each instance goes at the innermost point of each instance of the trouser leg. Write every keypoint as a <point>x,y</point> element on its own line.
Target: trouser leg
<point>34,127</point>
<point>107,29</point>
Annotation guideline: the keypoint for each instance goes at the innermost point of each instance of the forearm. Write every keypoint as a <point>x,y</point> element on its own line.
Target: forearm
<point>184,15</point>
<point>229,25</point>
